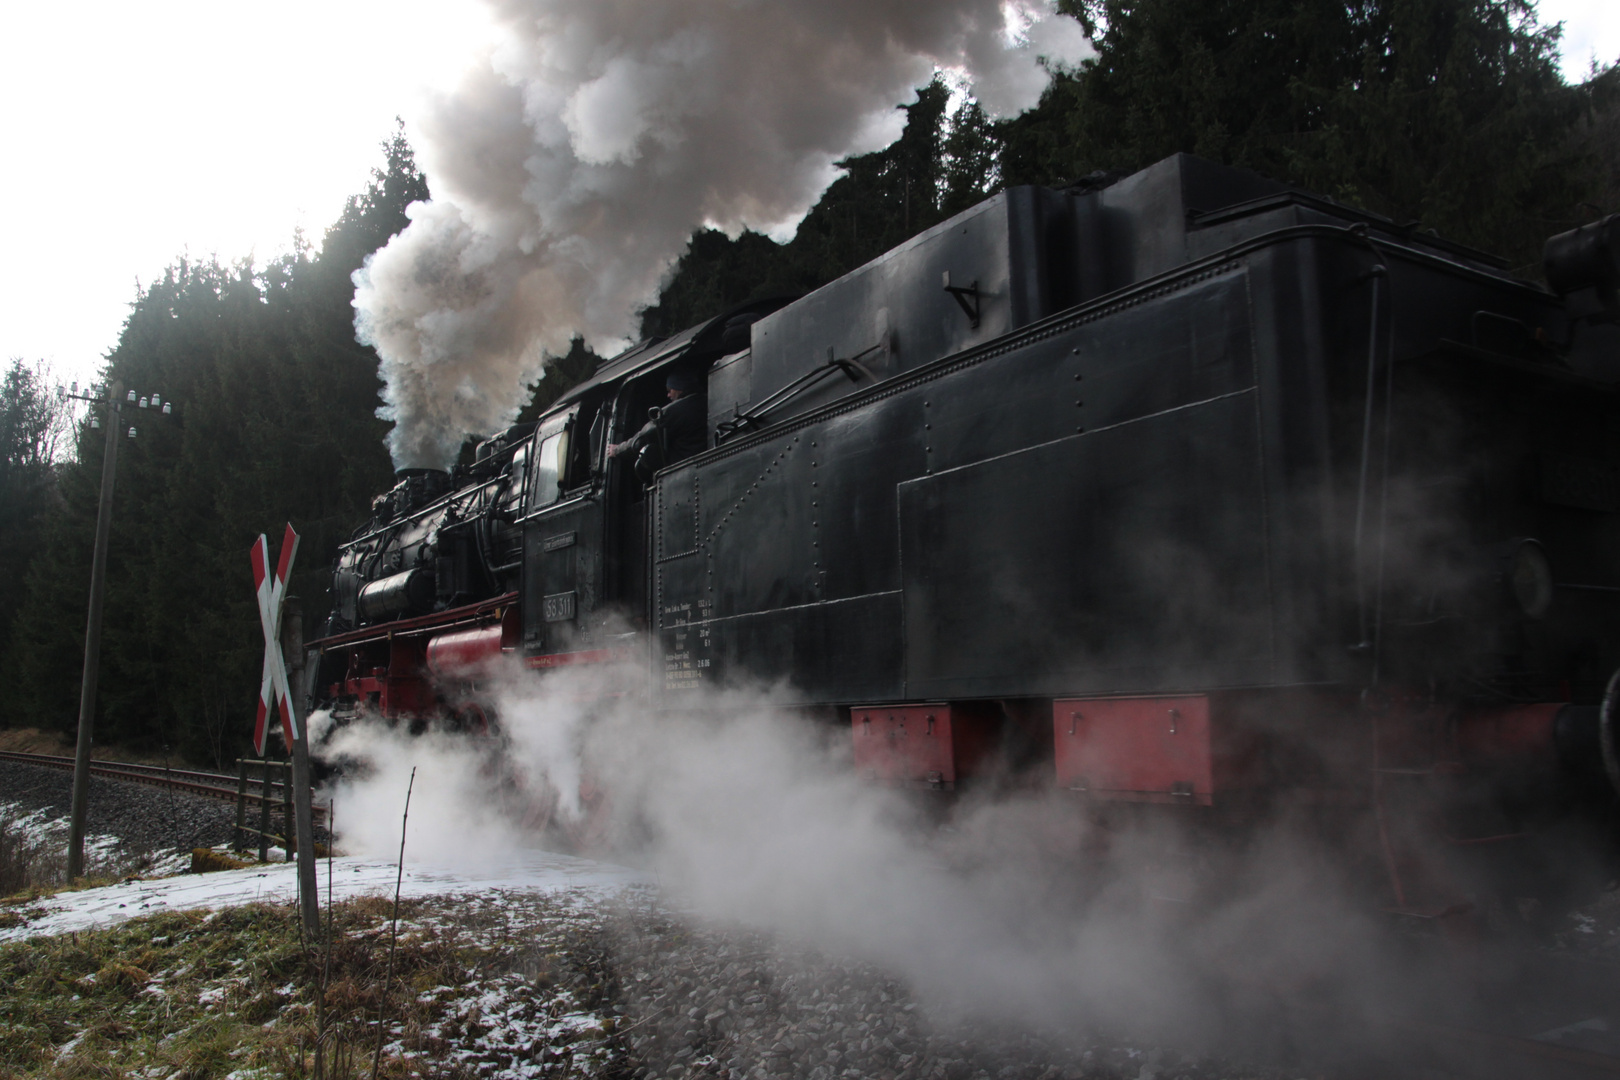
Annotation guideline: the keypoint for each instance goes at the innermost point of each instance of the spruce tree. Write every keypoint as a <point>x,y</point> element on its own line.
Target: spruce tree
<point>32,425</point>
<point>1448,113</point>
<point>275,421</point>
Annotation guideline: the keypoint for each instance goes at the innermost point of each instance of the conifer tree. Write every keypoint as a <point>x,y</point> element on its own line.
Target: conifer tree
<point>1450,113</point>
<point>881,200</point>
<point>275,421</point>
<point>32,424</point>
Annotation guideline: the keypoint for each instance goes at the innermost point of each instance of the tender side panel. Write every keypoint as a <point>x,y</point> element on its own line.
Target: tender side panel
<point>755,542</point>
<point>788,552</point>
<point>1127,559</point>
<point>834,651</point>
<point>1189,343</point>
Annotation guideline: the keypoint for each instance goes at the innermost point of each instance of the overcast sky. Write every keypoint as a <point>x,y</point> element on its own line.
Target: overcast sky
<point>135,133</point>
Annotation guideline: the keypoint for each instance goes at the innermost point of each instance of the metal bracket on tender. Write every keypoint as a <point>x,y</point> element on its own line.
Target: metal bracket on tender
<point>968,297</point>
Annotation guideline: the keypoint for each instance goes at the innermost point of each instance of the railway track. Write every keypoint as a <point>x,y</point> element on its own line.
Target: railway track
<point>1472,1052</point>
<point>1487,1009</point>
<point>209,785</point>
<point>1538,1014</point>
<point>1585,1048</point>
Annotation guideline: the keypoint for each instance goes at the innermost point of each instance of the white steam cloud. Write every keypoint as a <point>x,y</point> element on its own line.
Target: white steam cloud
<point>747,813</point>
<point>571,166</point>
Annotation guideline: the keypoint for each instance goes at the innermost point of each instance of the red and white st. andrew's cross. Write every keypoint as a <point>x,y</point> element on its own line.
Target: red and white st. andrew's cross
<point>273,689</point>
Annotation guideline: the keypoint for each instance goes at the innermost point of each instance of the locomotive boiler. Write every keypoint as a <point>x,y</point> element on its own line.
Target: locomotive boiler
<point>1189,488</point>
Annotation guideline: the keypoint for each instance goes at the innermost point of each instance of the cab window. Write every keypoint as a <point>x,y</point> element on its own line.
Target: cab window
<point>513,489</point>
<point>548,469</point>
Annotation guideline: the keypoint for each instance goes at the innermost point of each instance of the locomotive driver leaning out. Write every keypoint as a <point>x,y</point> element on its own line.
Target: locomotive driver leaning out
<point>681,423</point>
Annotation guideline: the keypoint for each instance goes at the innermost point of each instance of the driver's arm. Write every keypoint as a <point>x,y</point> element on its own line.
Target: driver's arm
<point>636,441</point>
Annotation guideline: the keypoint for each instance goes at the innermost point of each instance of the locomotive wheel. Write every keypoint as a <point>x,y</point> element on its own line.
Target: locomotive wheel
<point>472,719</point>
<point>537,812</point>
<point>1607,736</point>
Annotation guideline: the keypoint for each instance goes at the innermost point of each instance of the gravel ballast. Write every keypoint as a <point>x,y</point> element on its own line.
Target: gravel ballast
<point>696,1000</point>
<point>146,819</point>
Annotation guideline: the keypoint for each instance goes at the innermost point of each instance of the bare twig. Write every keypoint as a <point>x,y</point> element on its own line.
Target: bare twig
<point>326,962</point>
<point>393,944</point>
<point>656,1012</point>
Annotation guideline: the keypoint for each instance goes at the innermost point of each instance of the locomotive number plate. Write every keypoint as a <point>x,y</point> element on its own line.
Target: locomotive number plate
<point>557,543</point>
<point>557,607</point>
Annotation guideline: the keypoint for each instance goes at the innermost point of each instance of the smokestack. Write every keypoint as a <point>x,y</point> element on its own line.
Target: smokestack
<point>574,161</point>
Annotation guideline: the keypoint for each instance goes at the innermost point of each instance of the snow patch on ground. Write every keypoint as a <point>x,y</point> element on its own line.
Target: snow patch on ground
<point>512,1021</point>
<point>38,830</point>
<point>528,872</point>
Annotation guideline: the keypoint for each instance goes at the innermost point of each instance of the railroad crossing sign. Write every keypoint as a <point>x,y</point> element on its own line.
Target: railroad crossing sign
<point>273,690</point>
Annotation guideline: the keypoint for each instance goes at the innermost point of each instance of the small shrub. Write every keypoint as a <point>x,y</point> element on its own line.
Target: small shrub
<point>204,861</point>
<point>33,857</point>
<point>24,860</point>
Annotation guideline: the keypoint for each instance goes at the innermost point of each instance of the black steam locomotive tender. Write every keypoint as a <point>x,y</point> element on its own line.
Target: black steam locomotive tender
<point>1189,488</point>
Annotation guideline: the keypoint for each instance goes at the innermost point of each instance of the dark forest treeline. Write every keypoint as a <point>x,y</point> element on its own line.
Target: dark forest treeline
<point>274,421</point>
<point>1450,113</point>
<point>33,426</point>
<point>1447,112</point>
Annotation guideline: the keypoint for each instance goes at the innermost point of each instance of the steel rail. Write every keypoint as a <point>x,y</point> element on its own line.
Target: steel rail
<point>53,761</point>
<point>1489,1054</point>
<point>219,786</point>
<point>1501,1015</point>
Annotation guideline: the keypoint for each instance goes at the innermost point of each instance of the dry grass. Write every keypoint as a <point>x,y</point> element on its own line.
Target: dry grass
<point>34,741</point>
<point>207,860</point>
<point>33,865</point>
<point>193,996</point>
<point>37,741</point>
<point>19,858</point>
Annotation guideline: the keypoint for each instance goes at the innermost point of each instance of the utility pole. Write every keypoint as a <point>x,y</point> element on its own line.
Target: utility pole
<point>92,631</point>
<point>92,639</point>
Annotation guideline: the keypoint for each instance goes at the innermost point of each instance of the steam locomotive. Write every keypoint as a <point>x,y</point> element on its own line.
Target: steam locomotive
<point>1184,488</point>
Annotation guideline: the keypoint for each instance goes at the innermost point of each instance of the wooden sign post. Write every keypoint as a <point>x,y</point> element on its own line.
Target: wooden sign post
<point>278,693</point>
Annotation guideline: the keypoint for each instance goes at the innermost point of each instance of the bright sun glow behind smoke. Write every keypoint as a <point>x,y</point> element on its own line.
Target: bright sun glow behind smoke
<point>133,133</point>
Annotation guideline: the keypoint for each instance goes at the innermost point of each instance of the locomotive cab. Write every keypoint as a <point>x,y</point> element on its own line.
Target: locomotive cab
<point>535,551</point>
<point>586,558</point>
